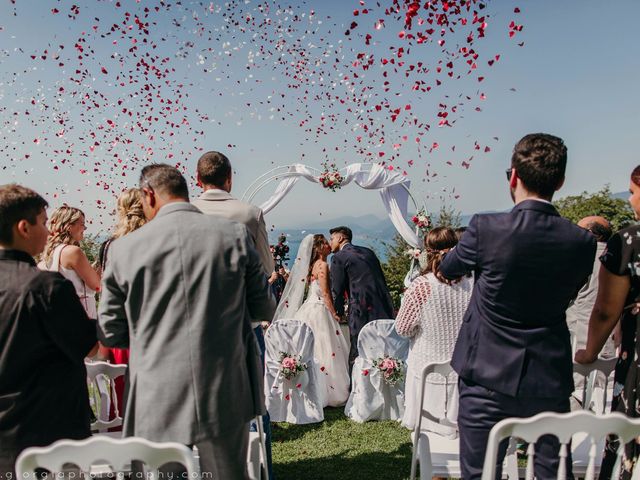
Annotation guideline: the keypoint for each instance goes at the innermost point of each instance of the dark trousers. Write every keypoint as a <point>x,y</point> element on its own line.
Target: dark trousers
<point>481,408</point>
<point>356,322</point>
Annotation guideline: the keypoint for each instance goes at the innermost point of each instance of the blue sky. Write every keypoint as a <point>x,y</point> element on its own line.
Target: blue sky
<point>576,77</point>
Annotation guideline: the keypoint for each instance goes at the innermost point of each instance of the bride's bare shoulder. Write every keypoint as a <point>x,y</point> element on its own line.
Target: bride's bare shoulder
<point>320,266</point>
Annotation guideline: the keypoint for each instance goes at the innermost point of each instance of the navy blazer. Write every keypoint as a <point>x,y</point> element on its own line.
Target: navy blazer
<point>528,265</point>
<point>357,271</point>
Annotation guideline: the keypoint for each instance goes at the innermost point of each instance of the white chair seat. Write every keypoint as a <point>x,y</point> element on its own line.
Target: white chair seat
<point>580,447</point>
<point>444,454</point>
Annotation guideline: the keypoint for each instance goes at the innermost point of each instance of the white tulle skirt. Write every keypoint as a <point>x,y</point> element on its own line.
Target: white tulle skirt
<point>331,350</point>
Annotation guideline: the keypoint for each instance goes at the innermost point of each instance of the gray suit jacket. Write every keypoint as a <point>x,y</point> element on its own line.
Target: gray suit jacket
<point>219,202</point>
<point>179,292</point>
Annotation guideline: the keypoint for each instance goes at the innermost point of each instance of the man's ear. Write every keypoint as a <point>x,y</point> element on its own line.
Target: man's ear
<point>150,195</point>
<point>21,229</point>
<point>198,180</point>
<point>513,181</point>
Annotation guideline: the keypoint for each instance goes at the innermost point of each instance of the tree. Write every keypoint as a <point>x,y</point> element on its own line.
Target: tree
<point>90,245</point>
<point>396,267</point>
<point>601,203</point>
<point>449,217</point>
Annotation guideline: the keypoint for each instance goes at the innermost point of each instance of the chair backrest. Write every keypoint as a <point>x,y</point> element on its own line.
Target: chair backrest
<point>590,371</point>
<point>104,451</point>
<point>443,369</point>
<point>563,426</point>
<point>102,389</point>
<point>379,338</point>
<point>290,336</point>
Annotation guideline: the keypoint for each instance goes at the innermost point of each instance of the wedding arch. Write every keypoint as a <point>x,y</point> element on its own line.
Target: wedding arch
<point>394,189</point>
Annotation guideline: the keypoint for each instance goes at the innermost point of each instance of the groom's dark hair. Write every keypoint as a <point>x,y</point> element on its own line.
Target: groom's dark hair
<point>214,168</point>
<point>346,231</point>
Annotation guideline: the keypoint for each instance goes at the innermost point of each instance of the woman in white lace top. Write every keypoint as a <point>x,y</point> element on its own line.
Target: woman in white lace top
<point>430,315</point>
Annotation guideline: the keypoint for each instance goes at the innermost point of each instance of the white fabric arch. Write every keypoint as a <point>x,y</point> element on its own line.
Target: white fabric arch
<point>393,188</point>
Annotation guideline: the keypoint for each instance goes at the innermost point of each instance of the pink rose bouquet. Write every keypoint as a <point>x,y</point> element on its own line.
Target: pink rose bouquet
<point>391,368</point>
<point>290,365</point>
<point>330,177</point>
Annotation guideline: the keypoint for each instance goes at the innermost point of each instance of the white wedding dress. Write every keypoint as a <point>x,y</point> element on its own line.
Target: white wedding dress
<point>331,348</point>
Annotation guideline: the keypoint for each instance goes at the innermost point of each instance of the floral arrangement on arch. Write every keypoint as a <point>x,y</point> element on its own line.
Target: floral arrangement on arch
<point>414,253</point>
<point>330,178</point>
<point>391,368</point>
<point>290,365</point>
<point>422,221</point>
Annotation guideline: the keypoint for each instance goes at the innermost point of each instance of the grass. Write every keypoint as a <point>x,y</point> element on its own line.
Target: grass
<point>339,448</point>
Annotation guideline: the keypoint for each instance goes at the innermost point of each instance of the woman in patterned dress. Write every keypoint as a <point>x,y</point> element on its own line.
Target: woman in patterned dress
<point>618,297</point>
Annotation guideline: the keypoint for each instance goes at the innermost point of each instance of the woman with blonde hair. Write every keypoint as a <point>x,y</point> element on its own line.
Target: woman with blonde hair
<point>63,254</point>
<point>130,218</point>
<point>430,315</point>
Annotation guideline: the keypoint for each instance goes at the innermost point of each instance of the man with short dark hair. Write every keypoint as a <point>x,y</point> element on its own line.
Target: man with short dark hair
<point>513,352</point>
<point>44,337</point>
<point>356,275</point>
<point>180,292</point>
<point>214,175</point>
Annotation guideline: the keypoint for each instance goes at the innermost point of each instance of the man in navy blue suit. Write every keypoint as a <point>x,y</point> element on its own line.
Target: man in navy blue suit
<point>513,353</point>
<point>357,275</point>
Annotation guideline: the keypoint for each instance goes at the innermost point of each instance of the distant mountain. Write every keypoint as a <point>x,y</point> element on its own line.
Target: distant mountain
<point>622,195</point>
<point>368,230</point>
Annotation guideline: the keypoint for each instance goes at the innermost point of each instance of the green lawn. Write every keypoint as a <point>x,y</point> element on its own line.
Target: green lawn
<point>339,448</point>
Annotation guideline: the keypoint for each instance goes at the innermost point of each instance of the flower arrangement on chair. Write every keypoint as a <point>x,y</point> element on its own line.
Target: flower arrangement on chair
<point>290,365</point>
<point>392,369</point>
<point>330,178</point>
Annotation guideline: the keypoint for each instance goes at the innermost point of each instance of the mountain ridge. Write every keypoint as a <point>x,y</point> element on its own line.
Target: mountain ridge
<point>368,230</point>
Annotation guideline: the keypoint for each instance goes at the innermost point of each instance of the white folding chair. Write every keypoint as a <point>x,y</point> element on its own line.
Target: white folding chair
<point>102,451</point>
<point>257,453</point>
<point>101,378</point>
<point>589,388</point>
<point>564,426</point>
<point>592,400</point>
<point>438,456</point>
<point>298,400</point>
<point>372,398</point>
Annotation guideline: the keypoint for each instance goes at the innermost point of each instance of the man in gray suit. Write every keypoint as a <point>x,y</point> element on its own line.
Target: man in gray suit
<point>215,177</point>
<point>180,292</point>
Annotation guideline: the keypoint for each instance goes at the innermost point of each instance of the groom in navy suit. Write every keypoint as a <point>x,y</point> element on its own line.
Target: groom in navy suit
<point>357,275</point>
<point>513,354</point>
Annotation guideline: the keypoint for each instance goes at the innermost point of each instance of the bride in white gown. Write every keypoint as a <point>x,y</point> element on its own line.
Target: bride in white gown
<point>310,273</point>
